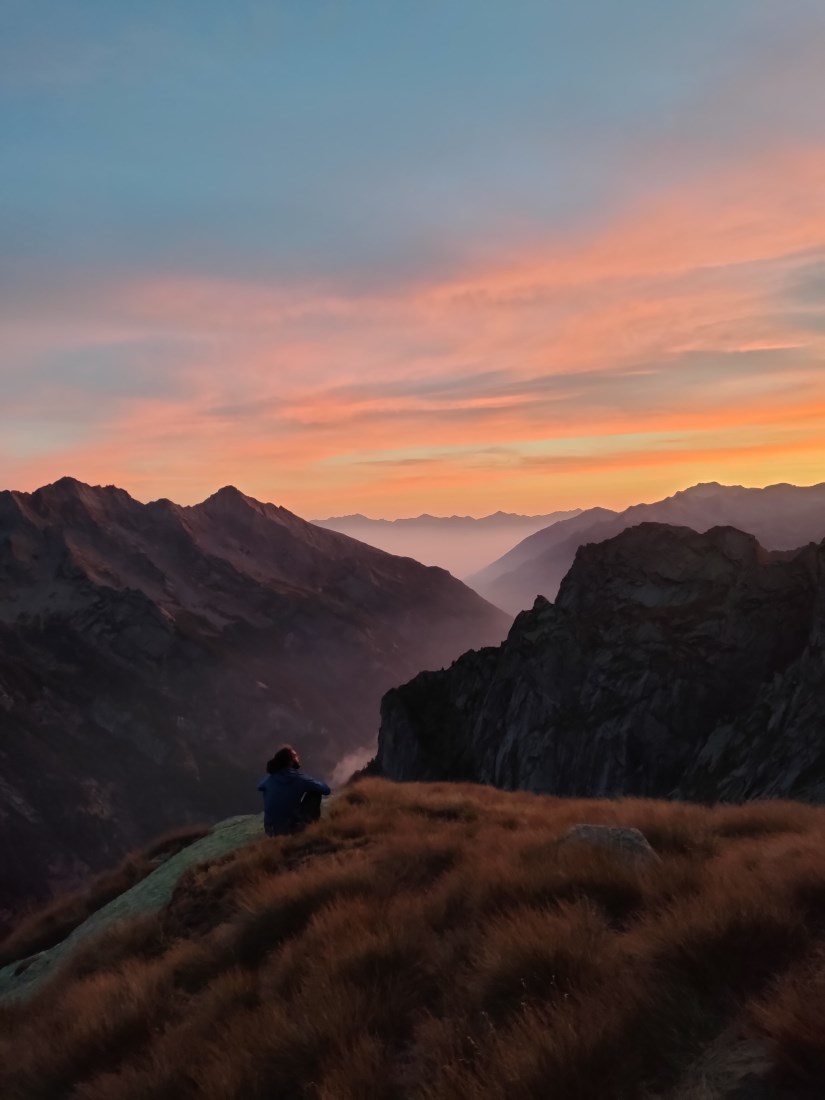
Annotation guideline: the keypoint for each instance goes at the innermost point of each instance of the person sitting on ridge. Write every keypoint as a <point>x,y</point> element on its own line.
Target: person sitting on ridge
<point>291,799</point>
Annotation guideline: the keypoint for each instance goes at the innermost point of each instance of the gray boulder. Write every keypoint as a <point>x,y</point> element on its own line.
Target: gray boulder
<point>629,844</point>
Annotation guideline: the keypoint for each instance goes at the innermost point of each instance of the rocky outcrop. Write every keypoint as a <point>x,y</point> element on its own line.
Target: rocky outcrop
<point>151,655</point>
<point>781,517</point>
<point>672,664</point>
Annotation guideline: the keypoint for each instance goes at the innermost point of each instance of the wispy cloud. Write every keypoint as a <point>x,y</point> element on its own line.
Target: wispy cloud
<point>674,330</point>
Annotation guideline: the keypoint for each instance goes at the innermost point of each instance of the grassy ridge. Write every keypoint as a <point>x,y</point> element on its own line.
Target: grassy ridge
<point>53,922</point>
<point>435,942</point>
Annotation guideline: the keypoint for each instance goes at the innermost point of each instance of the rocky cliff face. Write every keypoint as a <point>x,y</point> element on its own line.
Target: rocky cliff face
<point>672,663</point>
<point>152,655</point>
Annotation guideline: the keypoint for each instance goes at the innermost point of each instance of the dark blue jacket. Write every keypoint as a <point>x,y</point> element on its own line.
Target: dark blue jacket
<point>282,793</point>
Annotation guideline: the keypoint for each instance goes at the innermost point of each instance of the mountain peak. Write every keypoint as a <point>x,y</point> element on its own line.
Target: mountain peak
<point>230,502</point>
<point>65,488</point>
<point>228,492</point>
<point>703,489</point>
<point>70,491</point>
<point>67,482</point>
<point>657,565</point>
<point>229,499</point>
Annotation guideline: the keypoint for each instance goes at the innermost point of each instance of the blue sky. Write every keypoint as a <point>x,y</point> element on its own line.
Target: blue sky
<point>327,139</point>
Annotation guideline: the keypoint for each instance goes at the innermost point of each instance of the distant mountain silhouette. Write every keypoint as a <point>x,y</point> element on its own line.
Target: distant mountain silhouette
<point>781,517</point>
<point>458,543</point>
<point>152,655</point>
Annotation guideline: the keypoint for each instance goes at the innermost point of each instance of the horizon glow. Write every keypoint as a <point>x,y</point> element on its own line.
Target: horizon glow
<point>453,258</point>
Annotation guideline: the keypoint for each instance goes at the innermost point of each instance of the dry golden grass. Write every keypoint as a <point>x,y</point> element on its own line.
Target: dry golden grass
<point>435,942</point>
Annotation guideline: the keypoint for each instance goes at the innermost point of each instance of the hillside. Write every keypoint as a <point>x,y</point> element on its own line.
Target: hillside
<point>445,943</point>
<point>151,654</point>
<point>462,544</point>
<point>781,517</point>
<point>671,664</point>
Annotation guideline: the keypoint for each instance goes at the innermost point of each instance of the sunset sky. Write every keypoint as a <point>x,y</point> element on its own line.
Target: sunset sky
<point>424,255</point>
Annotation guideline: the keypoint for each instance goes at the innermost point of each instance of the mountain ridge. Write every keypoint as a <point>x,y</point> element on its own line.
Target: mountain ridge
<point>150,655</point>
<point>427,517</point>
<point>458,543</point>
<point>782,516</point>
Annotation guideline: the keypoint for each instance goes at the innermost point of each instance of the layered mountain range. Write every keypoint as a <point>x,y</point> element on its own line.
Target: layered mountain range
<point>672,663</point>
<point>461,544</point>
<point>780,516</point>
<point>151,655</point>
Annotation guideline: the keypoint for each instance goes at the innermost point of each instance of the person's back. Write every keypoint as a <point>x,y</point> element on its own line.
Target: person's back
<point>284,790</point>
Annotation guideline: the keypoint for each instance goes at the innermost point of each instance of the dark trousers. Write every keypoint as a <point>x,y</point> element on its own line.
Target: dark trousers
<point>308,811</point>
<point>311,806</point>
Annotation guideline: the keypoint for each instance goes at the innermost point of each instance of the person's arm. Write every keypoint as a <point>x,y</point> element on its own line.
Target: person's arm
<point>316,785</point>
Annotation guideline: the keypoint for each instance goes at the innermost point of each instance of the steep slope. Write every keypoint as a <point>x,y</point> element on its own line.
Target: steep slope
<point>781,517</point>
<point>461,544</point>
<point>150,656</point>
<point>672,663</point>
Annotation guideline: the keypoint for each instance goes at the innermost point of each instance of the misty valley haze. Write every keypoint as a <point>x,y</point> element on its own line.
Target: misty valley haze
<point>461,544</point>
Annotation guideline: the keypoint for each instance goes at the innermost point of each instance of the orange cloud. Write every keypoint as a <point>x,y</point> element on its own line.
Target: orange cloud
<point>677,318</point>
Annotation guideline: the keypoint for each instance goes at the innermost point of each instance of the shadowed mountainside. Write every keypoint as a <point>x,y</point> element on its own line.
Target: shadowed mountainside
<point>671,664</point>
<point>781,517</point>
<point>150,656</point>
<point>446,942</point>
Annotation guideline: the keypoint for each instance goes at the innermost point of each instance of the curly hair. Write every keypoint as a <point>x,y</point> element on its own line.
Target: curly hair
<point>285,757</point>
